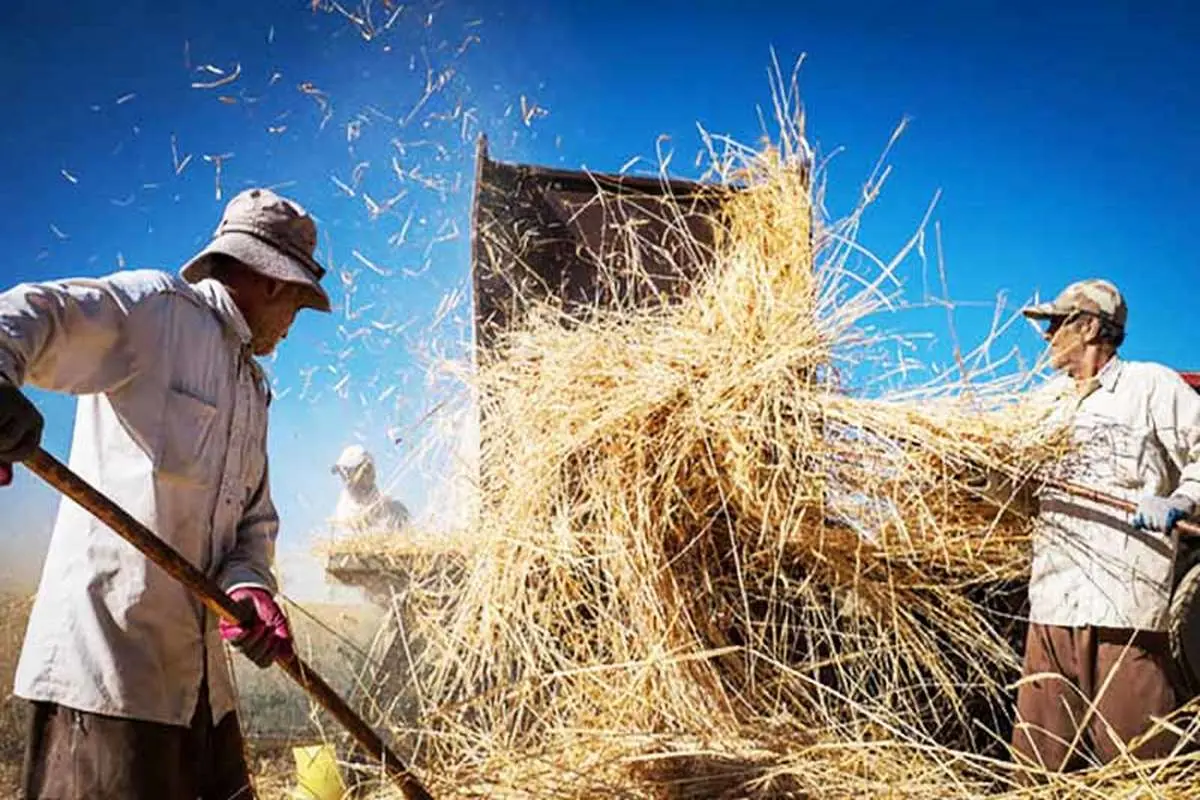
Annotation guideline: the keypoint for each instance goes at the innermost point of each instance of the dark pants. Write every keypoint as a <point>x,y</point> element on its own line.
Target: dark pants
<point>72,755</point>
<point>1105,686</point>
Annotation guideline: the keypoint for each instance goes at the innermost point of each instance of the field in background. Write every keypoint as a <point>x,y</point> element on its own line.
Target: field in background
<point>276,714</point>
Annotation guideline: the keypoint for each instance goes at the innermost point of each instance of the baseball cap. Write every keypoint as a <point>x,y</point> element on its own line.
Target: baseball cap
<point>1092,296</point>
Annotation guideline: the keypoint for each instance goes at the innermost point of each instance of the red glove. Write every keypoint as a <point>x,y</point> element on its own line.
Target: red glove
<point>6,475</point>
<point>269,637</point>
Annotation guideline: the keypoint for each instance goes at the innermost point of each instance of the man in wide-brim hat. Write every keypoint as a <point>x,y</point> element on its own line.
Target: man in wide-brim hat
<point>124,667</point>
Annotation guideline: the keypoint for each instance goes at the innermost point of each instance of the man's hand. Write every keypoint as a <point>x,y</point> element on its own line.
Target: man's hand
<point>1161,513</point>
<point>20,424</point>
<point>269,637</point>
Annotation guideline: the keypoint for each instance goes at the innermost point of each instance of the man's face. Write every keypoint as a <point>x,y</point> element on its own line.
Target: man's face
<point>271,316</point>
<point>1067,337</point>
<point>362,474</point>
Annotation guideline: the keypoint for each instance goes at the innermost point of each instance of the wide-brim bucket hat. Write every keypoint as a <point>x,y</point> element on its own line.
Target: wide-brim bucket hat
<point>272,235</point>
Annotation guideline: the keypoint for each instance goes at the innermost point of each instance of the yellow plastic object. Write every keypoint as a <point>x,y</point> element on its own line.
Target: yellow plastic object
<point>317,774</point>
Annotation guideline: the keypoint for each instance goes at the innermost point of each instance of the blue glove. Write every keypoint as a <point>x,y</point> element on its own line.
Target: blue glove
<point>1161,513</point>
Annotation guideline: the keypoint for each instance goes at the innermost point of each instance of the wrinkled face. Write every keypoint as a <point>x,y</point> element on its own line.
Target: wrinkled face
<point>270,314</point>
<point>268,306</point>
<point>1067,337</point>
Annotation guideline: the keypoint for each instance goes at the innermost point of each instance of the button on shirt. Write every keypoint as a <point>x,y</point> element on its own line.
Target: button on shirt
<point>1137,432</point>
<point>171,424</point>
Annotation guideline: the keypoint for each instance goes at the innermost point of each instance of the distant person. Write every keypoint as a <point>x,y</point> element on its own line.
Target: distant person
<point>362,508</point>
<point>1097,656</point>
<point>125,668</point>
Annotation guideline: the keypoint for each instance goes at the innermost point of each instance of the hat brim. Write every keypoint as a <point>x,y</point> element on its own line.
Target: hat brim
<point>264,259</point>
<point>1043,311</point>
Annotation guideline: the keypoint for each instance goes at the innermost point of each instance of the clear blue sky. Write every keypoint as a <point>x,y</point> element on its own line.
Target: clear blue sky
<point>1061,136</point>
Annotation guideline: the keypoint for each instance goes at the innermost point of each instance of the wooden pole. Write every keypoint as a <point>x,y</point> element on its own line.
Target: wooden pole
<point>1184,527</point>
<point>62,478</point>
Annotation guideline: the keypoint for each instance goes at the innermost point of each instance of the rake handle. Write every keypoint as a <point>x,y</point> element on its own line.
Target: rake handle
<point>1184,527</point>
<point>64,480</point>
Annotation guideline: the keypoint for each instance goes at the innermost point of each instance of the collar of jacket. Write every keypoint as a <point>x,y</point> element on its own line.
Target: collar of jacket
<point>1110,373</point>
<point>217,297</point>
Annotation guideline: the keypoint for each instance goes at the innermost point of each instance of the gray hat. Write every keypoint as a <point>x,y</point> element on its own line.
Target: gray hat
<point>1093,296</point>
<point>273,236</point>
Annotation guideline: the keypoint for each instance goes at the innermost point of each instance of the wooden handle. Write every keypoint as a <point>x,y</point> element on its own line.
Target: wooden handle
<point>62,478</point>
<point>1184,527</point>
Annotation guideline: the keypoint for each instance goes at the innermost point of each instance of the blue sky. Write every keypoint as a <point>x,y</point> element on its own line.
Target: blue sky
<point>1060,136</point>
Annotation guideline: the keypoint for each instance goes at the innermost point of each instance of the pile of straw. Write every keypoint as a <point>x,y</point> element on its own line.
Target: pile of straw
<point>705,566</point>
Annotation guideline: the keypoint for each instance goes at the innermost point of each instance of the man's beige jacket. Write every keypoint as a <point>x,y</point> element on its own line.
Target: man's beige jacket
<point>1137,433</point>
<point>171,423</point>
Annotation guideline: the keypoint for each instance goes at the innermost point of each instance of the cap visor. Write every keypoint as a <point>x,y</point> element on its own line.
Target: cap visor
<point>1042,311</point>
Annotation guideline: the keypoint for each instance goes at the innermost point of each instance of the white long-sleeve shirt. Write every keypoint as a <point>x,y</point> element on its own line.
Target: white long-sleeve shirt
<point>1138,433</point>
<point>171,424</point>
<point>368,511</point>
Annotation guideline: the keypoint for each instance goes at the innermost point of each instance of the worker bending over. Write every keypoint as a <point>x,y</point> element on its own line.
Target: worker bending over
<point>129,681</point>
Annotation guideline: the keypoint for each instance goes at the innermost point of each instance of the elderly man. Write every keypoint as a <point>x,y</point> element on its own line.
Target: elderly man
<point>126,672</point>
<point>1096,657</point>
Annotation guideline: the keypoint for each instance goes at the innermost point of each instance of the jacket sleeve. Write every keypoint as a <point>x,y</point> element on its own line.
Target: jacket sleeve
<point>251,560</point>
<point>1176,416</point>
<point>66,335</point>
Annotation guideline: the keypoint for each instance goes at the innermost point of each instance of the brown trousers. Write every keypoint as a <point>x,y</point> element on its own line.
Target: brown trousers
<point>1105,686</point>
<point>73,755</point>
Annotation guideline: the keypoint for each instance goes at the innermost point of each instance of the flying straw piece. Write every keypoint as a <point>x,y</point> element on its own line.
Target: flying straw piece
<point>125,98</point>
<point>217,161</point>
<point>176,164</point>
<point>416,273</point>
<point>359,170</point>
<point>395,14</point>
<point>467,42</point>
<point>224,80</point>
<point>369,265</point>
<point>69,176</point>
<point>349,192</point>
<point>373,210</point>
<point>531,111</point>
<point>58,233</point>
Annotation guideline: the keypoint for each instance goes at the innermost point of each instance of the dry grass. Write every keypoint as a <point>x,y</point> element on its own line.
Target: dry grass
<point>14,611</point>
<point>716,557</point>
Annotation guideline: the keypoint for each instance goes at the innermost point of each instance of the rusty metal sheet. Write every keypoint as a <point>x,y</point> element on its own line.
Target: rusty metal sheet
<point>545,233</point>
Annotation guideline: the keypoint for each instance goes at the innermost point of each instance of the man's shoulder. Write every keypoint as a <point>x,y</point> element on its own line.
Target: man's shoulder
<point>148,281</point>
<point>1150,371</point>
<point>137,285</point>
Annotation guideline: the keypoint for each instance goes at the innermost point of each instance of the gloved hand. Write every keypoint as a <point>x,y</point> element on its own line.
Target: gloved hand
<point>269,637</point>
<point>1161,513</point>
<point>20,424</point>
